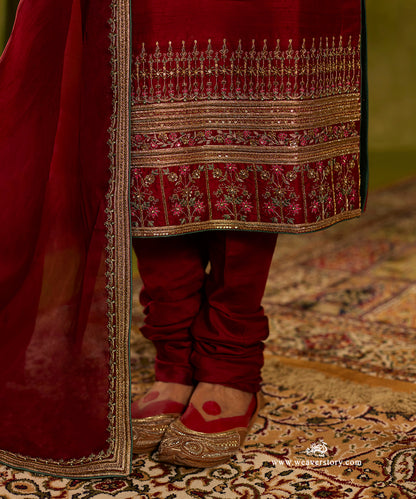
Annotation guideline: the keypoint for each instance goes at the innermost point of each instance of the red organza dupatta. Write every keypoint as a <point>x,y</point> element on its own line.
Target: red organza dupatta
<point>64,250</point>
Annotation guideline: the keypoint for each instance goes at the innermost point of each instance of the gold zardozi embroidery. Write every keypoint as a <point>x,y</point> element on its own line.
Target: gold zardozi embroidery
<point>182,74</point>
<point>252,139</point>
<point>267,115</point>
<point>249,154</point>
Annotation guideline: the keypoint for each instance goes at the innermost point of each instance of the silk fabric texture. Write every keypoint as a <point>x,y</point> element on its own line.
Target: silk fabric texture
<point>206,327</point>
<point>65,226</point>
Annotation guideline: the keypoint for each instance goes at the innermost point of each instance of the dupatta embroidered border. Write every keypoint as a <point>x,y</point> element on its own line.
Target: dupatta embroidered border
<point>117,459</point>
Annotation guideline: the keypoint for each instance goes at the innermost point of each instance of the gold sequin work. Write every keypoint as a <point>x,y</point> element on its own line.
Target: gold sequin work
<point>257,138</point>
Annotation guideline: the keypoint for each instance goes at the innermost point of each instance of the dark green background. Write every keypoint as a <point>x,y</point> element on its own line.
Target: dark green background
<point>392,81</point>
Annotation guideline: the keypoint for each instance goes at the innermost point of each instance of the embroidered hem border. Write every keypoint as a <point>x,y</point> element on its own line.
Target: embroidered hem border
<point>241,225</point>
<point>238,166</point>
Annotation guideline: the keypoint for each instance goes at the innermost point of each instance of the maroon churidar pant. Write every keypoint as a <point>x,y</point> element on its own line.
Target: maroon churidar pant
<point>206,326</point>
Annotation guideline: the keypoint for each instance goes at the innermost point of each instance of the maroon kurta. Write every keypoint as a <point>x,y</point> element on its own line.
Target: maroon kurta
<point>246,115</point>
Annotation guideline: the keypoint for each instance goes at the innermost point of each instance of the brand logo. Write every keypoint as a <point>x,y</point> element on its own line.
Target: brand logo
<point>318,453</point>
<point>318,449</point>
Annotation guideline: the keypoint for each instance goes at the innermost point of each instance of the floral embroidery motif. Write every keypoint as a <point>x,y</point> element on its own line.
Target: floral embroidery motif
<point>345,186</point>
<point>327,67</point>
<point>188,203</point>
<point>281,202</point>
<point>320,192</point>
<point>144,200</point>
<point>284,196</point>
<point>254,138</point>
<point>232,197</point>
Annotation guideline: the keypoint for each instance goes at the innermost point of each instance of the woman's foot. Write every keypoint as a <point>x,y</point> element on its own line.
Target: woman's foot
<point>162,398</point>
<point>215,408</point>
<point>155,411</point>
<point>212,428</point>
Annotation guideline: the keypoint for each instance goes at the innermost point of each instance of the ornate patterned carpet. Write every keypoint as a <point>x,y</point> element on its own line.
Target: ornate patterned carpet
<point>339,377</point>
